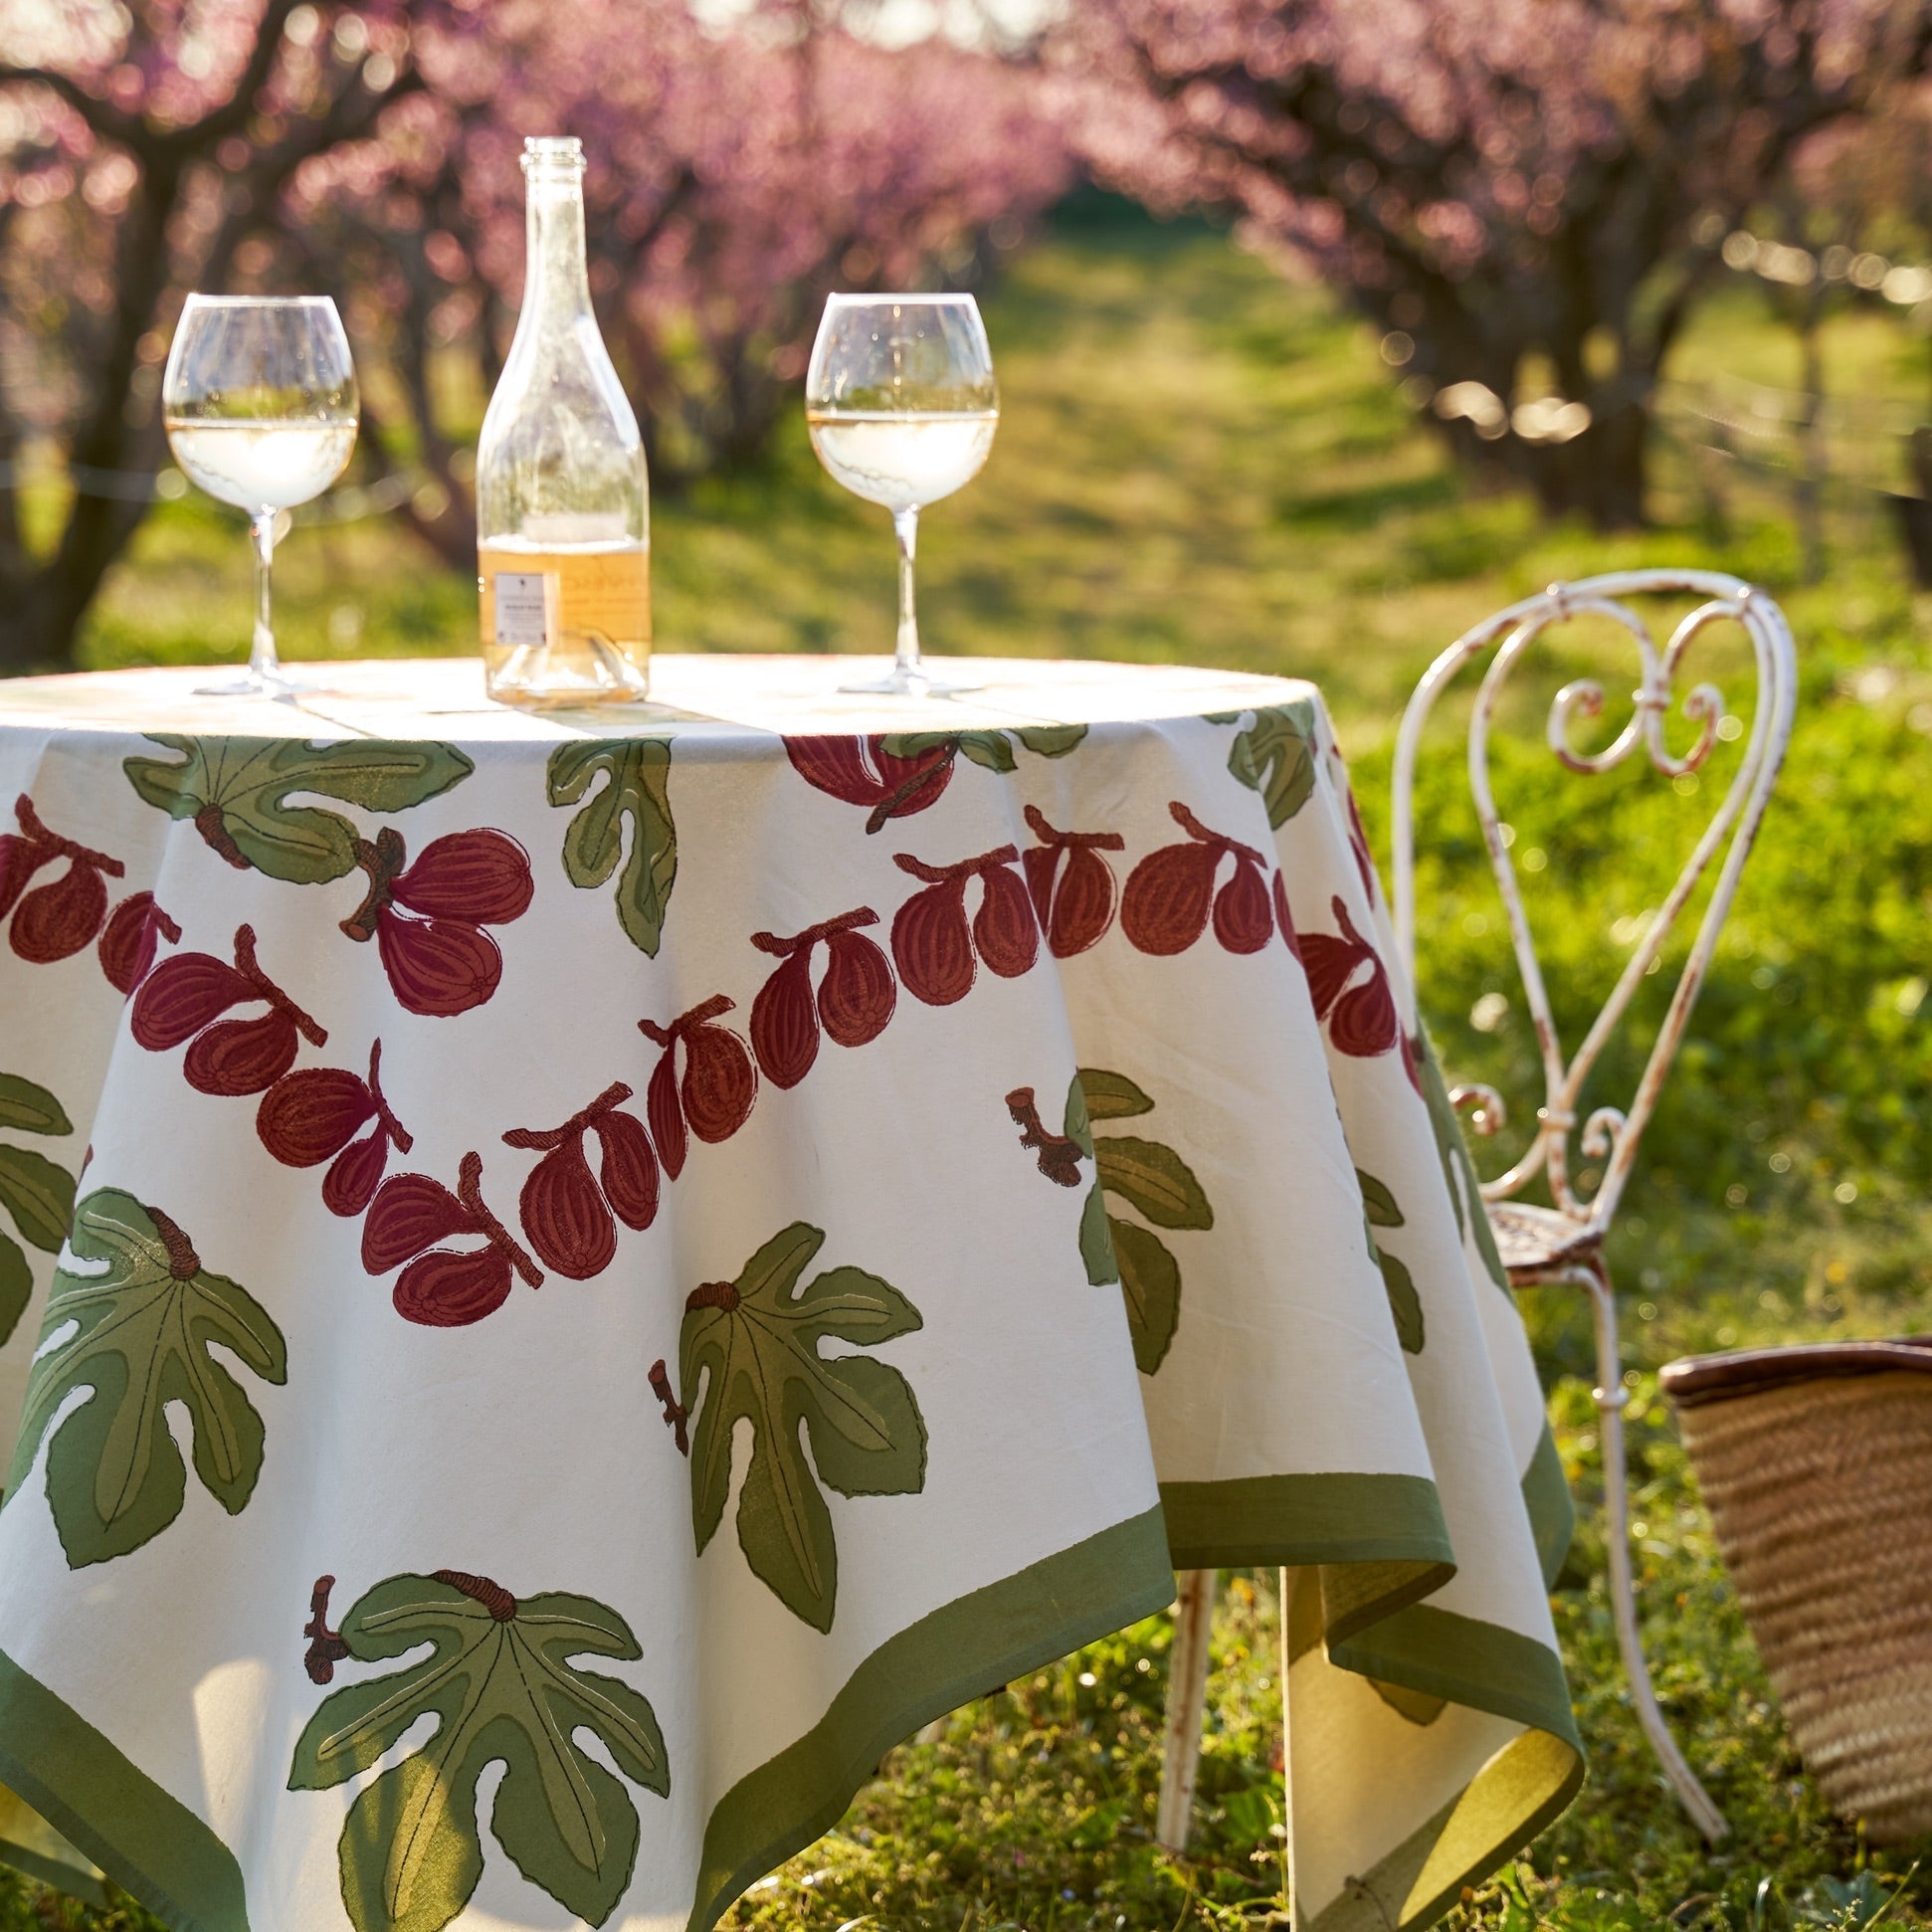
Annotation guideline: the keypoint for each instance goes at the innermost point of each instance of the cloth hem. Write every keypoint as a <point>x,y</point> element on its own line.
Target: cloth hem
<point>958,1651</point>
<point>85,1773</point>
<point>1344,1516</point>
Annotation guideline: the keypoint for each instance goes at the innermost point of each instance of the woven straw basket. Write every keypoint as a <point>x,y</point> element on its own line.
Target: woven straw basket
<point>1816,1463</point>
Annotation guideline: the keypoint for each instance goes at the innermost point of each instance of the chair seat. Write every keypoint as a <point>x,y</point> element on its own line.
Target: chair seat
<point>1533,1240</point>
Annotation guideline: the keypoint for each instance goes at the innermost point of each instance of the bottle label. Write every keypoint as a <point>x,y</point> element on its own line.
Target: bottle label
<point>527,608</point>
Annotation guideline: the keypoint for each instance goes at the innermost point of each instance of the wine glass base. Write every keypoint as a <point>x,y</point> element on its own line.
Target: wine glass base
<point>252,685</point>
<point>904,684</point>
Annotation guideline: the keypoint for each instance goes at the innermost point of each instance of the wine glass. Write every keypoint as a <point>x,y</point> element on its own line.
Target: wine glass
<point>260,403</point>
<point>901,404</point>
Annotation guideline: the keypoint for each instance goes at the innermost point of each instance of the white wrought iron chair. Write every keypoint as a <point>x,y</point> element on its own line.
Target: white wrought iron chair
<point>1564,1242</point>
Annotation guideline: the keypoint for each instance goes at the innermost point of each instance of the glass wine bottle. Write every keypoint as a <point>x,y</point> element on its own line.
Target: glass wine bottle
<point>563,533</point>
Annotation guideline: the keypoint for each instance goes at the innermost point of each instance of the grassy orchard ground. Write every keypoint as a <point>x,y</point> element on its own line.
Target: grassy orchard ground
<point>1196,463</point>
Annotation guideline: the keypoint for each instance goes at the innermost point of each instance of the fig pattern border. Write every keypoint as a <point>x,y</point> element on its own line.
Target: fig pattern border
<point>1171,896</point>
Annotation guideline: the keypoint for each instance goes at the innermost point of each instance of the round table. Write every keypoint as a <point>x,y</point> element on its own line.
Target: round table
<point>569,1280</point>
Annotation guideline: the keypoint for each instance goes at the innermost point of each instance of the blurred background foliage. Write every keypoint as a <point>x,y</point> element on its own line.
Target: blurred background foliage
<point>1227,439</point>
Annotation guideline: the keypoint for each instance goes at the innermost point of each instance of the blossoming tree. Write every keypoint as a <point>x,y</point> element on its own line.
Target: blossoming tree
<point>1527,196</point>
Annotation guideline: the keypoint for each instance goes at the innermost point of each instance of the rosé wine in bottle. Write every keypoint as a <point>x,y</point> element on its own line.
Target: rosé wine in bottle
<point>562,518</point>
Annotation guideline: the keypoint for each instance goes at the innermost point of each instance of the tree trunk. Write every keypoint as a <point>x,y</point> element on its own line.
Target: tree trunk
<point>1601,474</point>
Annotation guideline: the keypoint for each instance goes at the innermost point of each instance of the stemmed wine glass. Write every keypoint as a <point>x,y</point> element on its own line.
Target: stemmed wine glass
<point>901,404</point>
<point>261,407</point>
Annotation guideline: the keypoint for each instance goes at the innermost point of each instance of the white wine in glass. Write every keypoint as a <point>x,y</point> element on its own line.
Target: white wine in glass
<point>901,404</point>
<point>261,408</point>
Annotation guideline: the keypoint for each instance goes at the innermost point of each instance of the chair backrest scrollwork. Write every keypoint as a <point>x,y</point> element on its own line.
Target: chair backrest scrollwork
<point>1610,1134</point>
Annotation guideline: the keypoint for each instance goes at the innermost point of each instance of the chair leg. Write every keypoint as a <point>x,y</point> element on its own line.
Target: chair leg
<point>1187,1705</point>
<point>1611,1400</point>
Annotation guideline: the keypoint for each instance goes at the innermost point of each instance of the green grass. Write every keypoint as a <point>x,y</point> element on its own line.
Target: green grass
<point>1200,462</point>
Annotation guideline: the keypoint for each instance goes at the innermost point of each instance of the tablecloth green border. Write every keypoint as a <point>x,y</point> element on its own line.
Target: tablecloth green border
<point>958,1651</point>
<point>1525,1786</point>
<point>160,1853</point>
<point>1439,1653</point>
<point>1343,1517</point>
<point>1552,1509</point>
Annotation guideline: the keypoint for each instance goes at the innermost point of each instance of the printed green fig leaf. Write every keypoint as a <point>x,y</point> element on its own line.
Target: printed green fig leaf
<point>1379,1209</point>
<point>1377,1202</point>
<point>637,773</point>
<point>1458,1168</point>
<point>37,1197</point>
<point>16,1286</point>
<point>1075,1121</point>
<point>988,749</point>
<point>237,791</point>
<point>1154,1180</point>
<point>1051,740</point>
<point>29,1109</point>
<point>1404,1302</point>
<point>1112,1097</point>
<point>753,1345</point>
<point>37,1194</point>
<point>140,1329</point>
<point>1276,756</point>
<point>501,1684</point>
<point>1150,1280</point>
<point>1096,1241</point>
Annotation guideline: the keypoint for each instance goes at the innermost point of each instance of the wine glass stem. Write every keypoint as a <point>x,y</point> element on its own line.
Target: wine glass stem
<point>906,525</point>
<point>262,661</point>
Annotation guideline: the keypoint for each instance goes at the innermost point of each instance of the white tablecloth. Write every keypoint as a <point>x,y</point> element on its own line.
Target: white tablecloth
<point>611,1266</point>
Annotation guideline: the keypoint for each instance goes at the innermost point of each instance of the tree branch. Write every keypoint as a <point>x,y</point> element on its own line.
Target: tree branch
<point>103,116</point>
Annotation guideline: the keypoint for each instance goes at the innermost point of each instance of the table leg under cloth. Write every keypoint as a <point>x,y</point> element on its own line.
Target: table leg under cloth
<point>565,1283</point>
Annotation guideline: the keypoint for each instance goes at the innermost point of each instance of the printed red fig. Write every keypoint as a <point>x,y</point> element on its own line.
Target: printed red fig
<point>784,1023</point>
<point>835,765</point>
<point>1358,843</point>
<point>1332,962</point>
<point>1361,1018</point>
<point>931,945</point>
<point>448,1289</point>
<point>858,994</point>
<point>1084,905</point>
<point>1165,907</point>
<point>1074,902</point>
<point>1364,1020</point>
<point>308,1117</point>
<point>20,856</point>
<point>1040,863</point>
<point>662,1110</point>
<point>1005,932</point>
<point>237,1057</point>
<point>182,995</point>
<point>127,945</point>
<point>1242,919</point>
<point>861,771</point>
<point>410,1212</point>
<point>629,1171</point>
<point>720,1084</point>
<point>564,1215</point>
<point>355,1173</point>
<point>894,771</point>
<point>480,877</point>
<point>1412,1063</point>
<point>438,967</point>
<point>54,921</point>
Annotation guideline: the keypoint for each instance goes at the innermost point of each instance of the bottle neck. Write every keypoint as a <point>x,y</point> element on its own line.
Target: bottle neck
<point>556,288</point>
